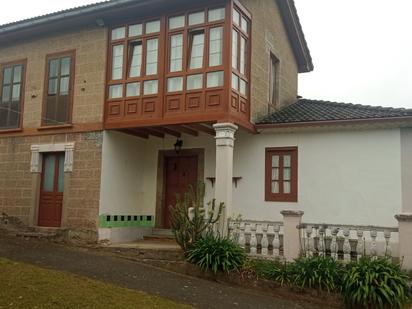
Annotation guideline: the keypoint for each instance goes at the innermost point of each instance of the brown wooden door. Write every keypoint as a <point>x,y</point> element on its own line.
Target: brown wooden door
<point>51,191</point>
<point>180,173</point>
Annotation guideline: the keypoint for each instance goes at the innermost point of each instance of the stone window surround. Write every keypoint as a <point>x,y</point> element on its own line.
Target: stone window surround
<point>36,160</point>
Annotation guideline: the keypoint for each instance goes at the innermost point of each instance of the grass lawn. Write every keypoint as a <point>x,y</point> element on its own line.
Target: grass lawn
<point>26,286</point>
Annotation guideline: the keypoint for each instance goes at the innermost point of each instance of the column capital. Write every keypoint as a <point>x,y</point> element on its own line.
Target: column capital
<point>292,213</point>
<point>225,134</point>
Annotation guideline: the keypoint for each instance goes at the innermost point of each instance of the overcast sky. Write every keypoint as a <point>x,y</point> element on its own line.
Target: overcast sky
<point>361,49</point>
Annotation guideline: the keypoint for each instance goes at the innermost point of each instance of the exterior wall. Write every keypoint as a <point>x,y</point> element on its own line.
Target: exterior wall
<point>90,45</point>
<point>406,140</point>
<point>269,36</point>
<point>346,177</point>
<point>81,201</point>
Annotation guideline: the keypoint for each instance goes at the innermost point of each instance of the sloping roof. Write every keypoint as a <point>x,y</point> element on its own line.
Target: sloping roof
<point>315,111</point>
<point>42,23</point>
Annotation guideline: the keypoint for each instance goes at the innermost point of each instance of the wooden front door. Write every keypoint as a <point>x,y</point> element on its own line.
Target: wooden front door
<point>51,190</point>
<point>180,172</point>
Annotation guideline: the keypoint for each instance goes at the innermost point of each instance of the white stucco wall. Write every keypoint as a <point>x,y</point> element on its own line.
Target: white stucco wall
<point>346,177</point>
<point>406,139</point>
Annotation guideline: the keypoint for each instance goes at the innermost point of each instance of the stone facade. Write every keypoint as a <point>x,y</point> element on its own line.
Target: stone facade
<point>18,198</point>
<point>269,36</point>
<point>90,45</point>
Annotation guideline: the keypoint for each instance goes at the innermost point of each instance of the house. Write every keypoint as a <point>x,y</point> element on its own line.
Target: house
<point>108,110</point>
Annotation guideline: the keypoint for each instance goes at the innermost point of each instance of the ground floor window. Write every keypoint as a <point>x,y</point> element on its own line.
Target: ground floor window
<point>281,174</point>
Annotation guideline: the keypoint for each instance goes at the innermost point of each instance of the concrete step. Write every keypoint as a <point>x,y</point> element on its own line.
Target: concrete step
<point>38,232</point>
<point>166,232</point>
<point>160,235</point>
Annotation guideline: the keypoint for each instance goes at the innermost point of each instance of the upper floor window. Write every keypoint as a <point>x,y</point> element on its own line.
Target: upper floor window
<point>281,179</point>
<point>197,46</point>
<point>59,89</point>
<point>11,94</point>
<point>273,80</point>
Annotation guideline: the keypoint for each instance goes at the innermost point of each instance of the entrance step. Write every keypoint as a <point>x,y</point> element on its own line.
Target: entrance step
<point>160,235</point>
<point>39,233</point>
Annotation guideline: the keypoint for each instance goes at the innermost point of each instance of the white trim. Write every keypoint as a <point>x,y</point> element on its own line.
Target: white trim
<point>68,148</point>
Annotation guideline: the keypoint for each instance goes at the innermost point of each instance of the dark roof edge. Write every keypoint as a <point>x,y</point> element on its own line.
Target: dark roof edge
<point>295,33</point>
<point>318,123</point>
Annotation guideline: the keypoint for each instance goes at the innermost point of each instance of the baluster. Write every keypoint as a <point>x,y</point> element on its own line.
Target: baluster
<point>253,240</point>
<point>388,249</point>
<point>231,228</point>
<point>242,237</point>
<point>309,247</point>
<point>276,241</point>
<point>264,242</point>
<point>334,244</point>
<point>359,245</point>
<point>373,251</point>
<point>346,245</point>
<point>321,243</point>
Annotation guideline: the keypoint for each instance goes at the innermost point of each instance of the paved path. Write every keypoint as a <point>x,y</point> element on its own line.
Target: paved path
<point>197,292</point>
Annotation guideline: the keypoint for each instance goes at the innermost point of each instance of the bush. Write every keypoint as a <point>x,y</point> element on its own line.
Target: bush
<point>375,284</point>
<point>321,273</point>
<point>217,254</point>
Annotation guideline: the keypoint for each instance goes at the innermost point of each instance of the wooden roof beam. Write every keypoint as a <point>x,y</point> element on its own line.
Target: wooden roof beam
<point>168,131</point>
<point>201,128</point>
<point>183,129</point>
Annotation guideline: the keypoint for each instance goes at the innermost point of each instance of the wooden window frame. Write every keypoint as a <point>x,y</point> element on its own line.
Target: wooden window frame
<point>281,197</point>
<point>23,63</point>
<point>59,55</point>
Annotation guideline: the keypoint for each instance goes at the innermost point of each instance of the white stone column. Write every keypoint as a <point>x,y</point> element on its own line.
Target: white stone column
<point>225,139</point>
<point>405,242</point>
<point>291,234</point>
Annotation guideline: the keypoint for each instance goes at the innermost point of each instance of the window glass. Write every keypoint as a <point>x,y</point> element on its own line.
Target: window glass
<point>60,180</point>
<point>176,22</point>
<point>243,87</point>
<point>7,76</point>
<point>215,46</point>
<point>236,17</point>
<point>197,50</point>
<point>216,14</point>
<point>132,89</point>
<point>153,26</point>
<point>194,82</point>
<point>117,62</point>
<point>244,24</point>
<point>273,84</point>
<point>115,91</point>
<point>6,94</point>
<point>235,81</point>
<point>65,66</point>
<point>49,162</point>
<point>135,30</point>
<point>118,33</point>
<point>243,55</point>
<point>16,93</point>
<point>174,84</point>
<point>136,61</point>
<point>54,68</point>
<point>176,53</point>
<point>215,79</point>
<point>64,85</point>
<point>52,86</point>
<point>151,56</point>
<point>196,18</point>
<point>150,87</point>
<point>234,49</point>
<point>17,73</point>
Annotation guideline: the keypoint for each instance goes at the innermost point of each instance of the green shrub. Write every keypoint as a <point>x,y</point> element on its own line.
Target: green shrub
<point>216,253</point>
<point>375,284</point>
<point>321,273</point>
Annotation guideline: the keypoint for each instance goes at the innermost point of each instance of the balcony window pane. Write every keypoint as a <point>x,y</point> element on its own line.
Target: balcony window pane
<point>136,59</point>
<point>17,74</point>
<point>175,84</point>
<point>115,91</point>
<point>243,87</point>
<point>197,50</point>
<point>117,62</point>
<point>216,46</point>
<point>236,17</point>
<point>275,161</point>
<point>275,173</point>
<point>216,14</point>
<point>150,87</point>
<point>135,30</point>
<point>118,33</point>
<point>215,79</point>
<point>176,22</point>
<point>234,49</point>
<point>286,160</point>
<point>54,68</point>
<point>16,93</point>
<point>235,81</point>
<point>52,86</point>
<point>64,85</point>
<point>196,18</point>
<point>151,57</point>
<point>176,53</point>
<point>286,187</point>
<point>244,24</point>
<point>6,94</point>
<point>132,89</point>
<point>153,26</point>
<point>194,82</point>
<point>7,76</point>
<point>286,173</point>
<point>65,66</point>
<point>243,55</point>
<point>275,187</point>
